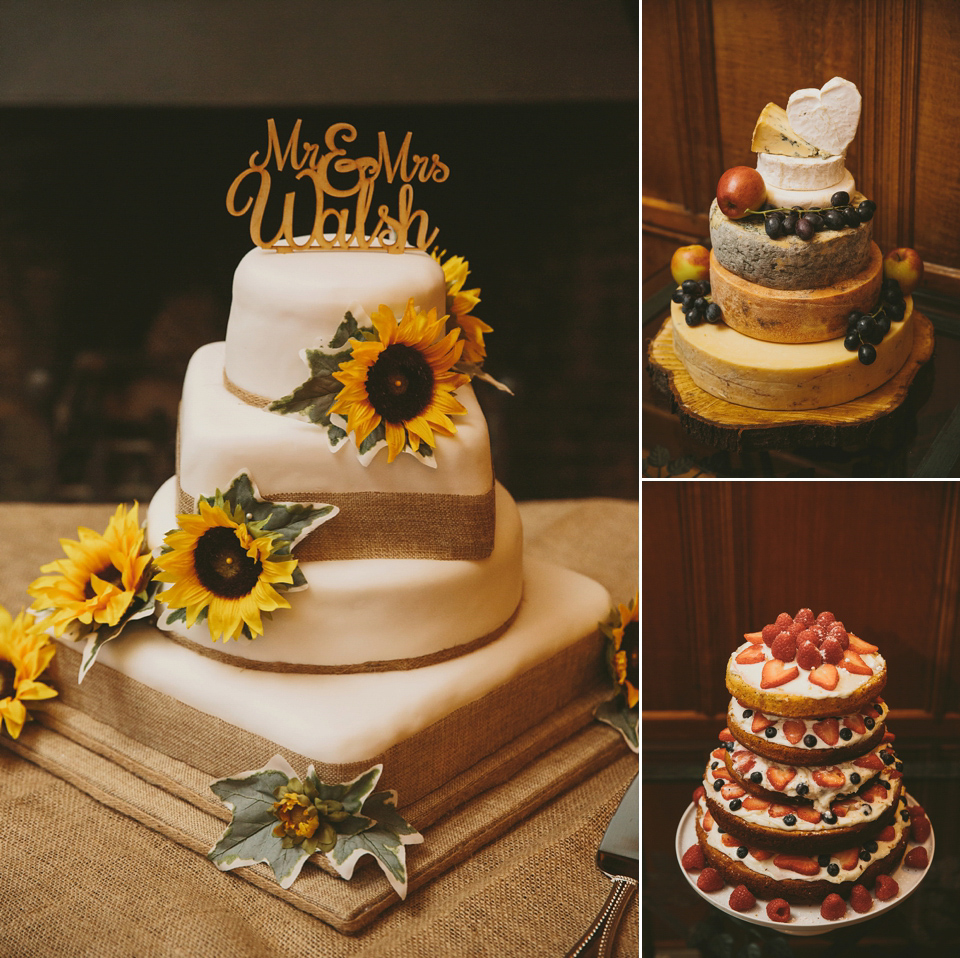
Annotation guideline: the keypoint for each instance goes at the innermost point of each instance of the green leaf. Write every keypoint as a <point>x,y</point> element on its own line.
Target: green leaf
<point>625,720</point>
<point>351,794</point>
<point>348,329</point>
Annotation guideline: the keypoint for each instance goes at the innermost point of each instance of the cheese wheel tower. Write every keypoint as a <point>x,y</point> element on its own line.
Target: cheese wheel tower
<point>794,276</point>
<point>804,796</point>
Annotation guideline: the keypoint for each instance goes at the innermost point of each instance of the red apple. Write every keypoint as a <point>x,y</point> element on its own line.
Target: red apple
<point>906,267</point>
<point>690,262</point>
<point>740,189</point>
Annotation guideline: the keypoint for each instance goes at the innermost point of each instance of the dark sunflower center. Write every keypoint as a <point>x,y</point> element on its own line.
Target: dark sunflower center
<point>7,675</point>
<point>222,565</point>
<point>631,645</point>
<point>400,383</point>
<point>110,574</point>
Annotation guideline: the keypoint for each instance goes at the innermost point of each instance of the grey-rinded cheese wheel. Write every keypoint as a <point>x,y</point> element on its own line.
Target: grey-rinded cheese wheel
<point>743,247</point>
<point>795,315</point>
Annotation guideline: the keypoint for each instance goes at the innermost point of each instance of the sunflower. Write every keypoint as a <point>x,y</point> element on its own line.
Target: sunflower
<point>220,568</point>
<point>404,380</point>
<point>459,303</point>
<point>25,651</point>
<point>626,650</point>
<point>99,578</point>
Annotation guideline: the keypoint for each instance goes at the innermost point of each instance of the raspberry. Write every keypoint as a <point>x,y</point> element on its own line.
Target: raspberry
<point>784,647</point>
<point>794,629</point>
<point>805,617</point>
<point>693,859</point>
<point>826,619</point>
<point>769,633</point>
<point>741,899</point>
<point>809,635</point>
<point>710,880</point>
<point>885,888</point>
<point>832,650</point>
<point>779,909</point>
<point>916,858</point>
<point>784,621</point>
<point>920,829</point>
<point>838,632</point>
<point>833,907</point>
<point>860,899</point>
<point>808,656</point>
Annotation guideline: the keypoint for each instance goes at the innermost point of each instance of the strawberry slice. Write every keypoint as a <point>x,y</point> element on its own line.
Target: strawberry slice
<point>855,723</point>
<point>755,804</point>
<point>829,777</point>
<point>707,823</point>
<point>725,735</point>
<point>871,761</point>
<point>720,753</point>
<point>698,793</point>
<point>751,655</point>
<point>859,646</point>
<point>888,834</point>
<point>755,637</point>
<point>794,730</point>
<point>842,809</point>
<point>730,841</point>
<point>760,854</point>
<point>888,736</point>
<point>853,663</point>
<point>776,673</point>
<point>732,791</point>
<point>797,863</point>
<point>780,778</point>
<point>826,676</point>
<point>778,811</point>
<point>828,730</point>
<point>848,858</point>
<point>808,814</point>
<point>759,723</point>
<point>743,761</point>
<point>875,793</point>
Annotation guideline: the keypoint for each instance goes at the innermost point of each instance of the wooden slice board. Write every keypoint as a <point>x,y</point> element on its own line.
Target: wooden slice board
<point>724,425</point>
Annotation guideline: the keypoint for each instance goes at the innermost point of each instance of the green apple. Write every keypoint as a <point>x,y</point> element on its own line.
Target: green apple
<point>690,262</point>
<point>905,266</point>
<point>740,190</point>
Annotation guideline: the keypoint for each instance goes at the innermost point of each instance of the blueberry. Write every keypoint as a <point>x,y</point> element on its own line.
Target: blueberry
<point>789,819</point>
<point>803,788</point>
<point>833,869</point>
<point>823,860</point>
<point>864,855</point>
<point>742,851</point>
<point>846,734</point>
<point>735,804</point>
<point>905,815</point>
<point>728,746</point>
<point>855,778</point>
<point>770,731</point>
<point>718,784</point>
<point>830,818</point>
<point>871,847</point>
<point>810,741</point>
<point>756,778</point>
<point>899,766</point>
<point>867,810</point>
<point>747,713</point>
<point>883,783</point>
<point>869,722</point>
<point>714,765</point>
<point>720,831</point>
<point>886,756</point>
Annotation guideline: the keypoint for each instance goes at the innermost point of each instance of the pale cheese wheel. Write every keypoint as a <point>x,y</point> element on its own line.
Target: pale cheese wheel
<point>807,199</point>
<point>748,372</point>
<point>795,315</point>
<point>800,172</point>
<point>743,247</point>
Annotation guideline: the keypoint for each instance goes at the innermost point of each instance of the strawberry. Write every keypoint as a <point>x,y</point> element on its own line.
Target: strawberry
<point>888,736</point>
<point>794,730</point>
<point>833,907</point>
<point>808,814</point>
<point>920,829</point>
<point>780,778</point>
<point>858,645</point>
<point>855,723</point>
<point>853,663</point>
<point>698,793</point>
<point>805,617</point>
<point>778,910</point>
<point>720,753</point>
<point>760,854</point>
<point>768,633</point>
<point>729,840</point>
<point>875,793</point>
<point>751,655</point>
<point>916,811</point>
<point>710,880</point>
<point>784,647</point>
<point>871,760</point>
<point>832,650</point>
<point>808,656</point>
<point>888,834</point>
<point>828,730</point>
<point>829,777</point>
<point>776,673</point>
<point>860,899</point>
<point>707,823</point>
<point>826,676</point>
<point>886,888</point>
<point>778,811</point>
<point>760,722</point>
<point>693,859</point>
<point>797,863</point>
<point>725,735</point>
<point>756,638</point>
<point>731,791</point>
<point>744,763</point>
<point>916,858</point>
<point>848,858</point>
<point>754,804</point>
<point>741,899</point>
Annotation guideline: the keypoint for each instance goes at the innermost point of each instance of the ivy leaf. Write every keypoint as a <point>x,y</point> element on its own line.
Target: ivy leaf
<point>352,794</point>
<point>348,329</point>
<point>385,840</point>
<point>625,720</point>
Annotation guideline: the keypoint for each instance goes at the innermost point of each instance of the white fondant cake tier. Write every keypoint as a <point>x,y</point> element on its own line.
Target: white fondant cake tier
<point>362,610</point>
<point>286,302</point>
<point>338,719</point>
<point>221,435</point>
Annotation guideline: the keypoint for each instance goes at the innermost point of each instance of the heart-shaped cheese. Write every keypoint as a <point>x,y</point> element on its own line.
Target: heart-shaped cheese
<point>828,117</point>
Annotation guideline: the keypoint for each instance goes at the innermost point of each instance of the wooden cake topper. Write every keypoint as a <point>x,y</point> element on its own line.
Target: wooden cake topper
<point>359,175</point>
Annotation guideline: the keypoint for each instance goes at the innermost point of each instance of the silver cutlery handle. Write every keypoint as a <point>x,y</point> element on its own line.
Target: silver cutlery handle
<point>599,937</point>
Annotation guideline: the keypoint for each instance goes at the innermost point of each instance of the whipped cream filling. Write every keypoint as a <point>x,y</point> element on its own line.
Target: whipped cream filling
<point>803,783</point>
<point>849,682</point>
<point>771,870</point>
<point>741,717</point>
<point>856,808</point>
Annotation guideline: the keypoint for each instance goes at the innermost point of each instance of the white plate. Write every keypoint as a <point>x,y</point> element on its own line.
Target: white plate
<point>804,919</point>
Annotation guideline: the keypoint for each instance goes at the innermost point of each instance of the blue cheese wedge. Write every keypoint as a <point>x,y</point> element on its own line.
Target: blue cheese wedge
<point>773,134</point>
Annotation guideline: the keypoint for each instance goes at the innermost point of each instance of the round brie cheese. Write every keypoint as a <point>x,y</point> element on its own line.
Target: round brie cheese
<point>807,199</point>
<point>800,172</point>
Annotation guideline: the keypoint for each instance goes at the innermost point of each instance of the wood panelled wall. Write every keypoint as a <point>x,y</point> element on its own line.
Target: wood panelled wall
<point>710,66</point>
<point>721,559</point>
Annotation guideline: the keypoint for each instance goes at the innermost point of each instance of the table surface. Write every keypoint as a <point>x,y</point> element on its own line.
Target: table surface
<point>928,446</point>
<point>533,892</point>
